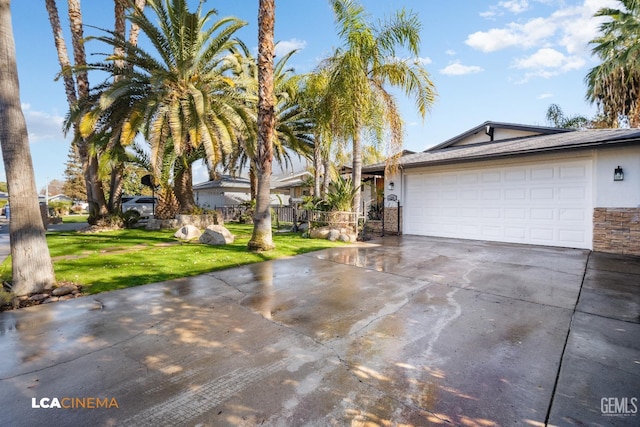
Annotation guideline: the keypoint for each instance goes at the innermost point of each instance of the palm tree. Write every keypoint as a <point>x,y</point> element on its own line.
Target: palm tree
<point>362,69</point>
<point>30,258</point>
<point>614,85</point>
<point>262,239</point>
<point>181,90</point>
<point>116,155</point>
<point>316,87</point>
<point>76,89</point>
<point>293,133</point>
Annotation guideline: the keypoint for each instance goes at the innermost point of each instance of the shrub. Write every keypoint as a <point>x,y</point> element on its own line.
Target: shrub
<point>110,221</point>
<point>246,216</point>
<point>375,211</point>
<point>130,218</point>
<point>60,208</point>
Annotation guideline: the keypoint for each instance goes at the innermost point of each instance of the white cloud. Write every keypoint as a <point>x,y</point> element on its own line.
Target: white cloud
<point>43,126</point>
<point>545,95</point>
<point>488,14</point>
<point>527,35</point>
<point>511,6</point>
<point>569,27</point>
<point>547,62</point>
<point>543,58</point>
<point>515,6</point>
<point>285,46</point>
<point>457,69</point>
<point>560,40</point>
<point>450,52</point>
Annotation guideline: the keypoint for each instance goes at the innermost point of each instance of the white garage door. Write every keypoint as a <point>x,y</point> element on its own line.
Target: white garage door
<point>546,203</point>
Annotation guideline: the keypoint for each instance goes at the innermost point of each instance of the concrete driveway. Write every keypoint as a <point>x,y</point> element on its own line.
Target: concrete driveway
<point>404,331</point>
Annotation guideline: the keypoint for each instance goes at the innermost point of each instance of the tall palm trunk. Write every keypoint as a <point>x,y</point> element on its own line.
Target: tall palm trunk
<point>262,239</point>
<point>317,164</point>
<point>117,171</point>
<point>253,180</point>
<point>356,172</point>
<point>326,179</point>
<point>183,186</point>
<point>135,29</point>
<point>95,192</point>
<point>30,258</point>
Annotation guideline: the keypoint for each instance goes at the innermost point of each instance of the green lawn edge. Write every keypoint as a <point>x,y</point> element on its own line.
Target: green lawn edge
<point>119,259</point>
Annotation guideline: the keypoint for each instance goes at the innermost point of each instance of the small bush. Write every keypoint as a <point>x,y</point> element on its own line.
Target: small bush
<point>246,217</point>
<point>130,218</point>
<point>60,208</point>
<point>110,221</point>
<point>5,296</point>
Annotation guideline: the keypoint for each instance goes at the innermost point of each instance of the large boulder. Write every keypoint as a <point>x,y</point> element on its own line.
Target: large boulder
<point>333,235</point>
<point>216,235</point>
<point>188,232</point>
<point>320,233</point>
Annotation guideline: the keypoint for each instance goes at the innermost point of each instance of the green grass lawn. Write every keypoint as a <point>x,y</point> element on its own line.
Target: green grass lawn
<point>75,218</point>
<point>124,258</point>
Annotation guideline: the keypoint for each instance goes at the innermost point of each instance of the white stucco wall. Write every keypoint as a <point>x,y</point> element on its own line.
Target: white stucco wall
<point>397,189</point>
<point>617,194</point>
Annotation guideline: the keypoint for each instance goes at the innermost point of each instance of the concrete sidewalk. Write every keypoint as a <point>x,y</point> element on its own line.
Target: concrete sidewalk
<point>406,331</point>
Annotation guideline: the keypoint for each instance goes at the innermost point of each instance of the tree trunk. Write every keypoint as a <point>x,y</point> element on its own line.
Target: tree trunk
<point>30,258</point>
<point>326,179</point>
<point>356,173</point>
<point>117,171</point>
<point>317,164</point>
<point>61,48</point>
<point>135,30</point>
<point>262,239</point>
<point>115,188</point>
<point>183,188</point>
<point>95,193</point>
<point>253,180</point>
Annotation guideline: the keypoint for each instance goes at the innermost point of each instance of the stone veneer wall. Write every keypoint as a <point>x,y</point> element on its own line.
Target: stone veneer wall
<point>616,230</point>
<point>390,222</point>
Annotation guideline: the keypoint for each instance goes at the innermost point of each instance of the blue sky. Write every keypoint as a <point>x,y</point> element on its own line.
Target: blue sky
<point>490,60</point>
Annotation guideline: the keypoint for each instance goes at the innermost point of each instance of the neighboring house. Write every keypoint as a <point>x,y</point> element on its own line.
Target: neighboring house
<point>226,191</point>
<point>525,184</point>
<point>295,185</point>
<point>58,198</point>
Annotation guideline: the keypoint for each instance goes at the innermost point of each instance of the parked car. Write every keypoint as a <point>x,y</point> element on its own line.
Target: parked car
<point>145,205</point>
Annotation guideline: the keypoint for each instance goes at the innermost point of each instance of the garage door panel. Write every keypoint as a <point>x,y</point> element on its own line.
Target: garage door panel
<point>542,174</point>
<point>547,204</point>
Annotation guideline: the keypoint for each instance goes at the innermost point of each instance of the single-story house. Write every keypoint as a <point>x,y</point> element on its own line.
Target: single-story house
<point>59,198</point>
<point>228,190</point>
<point>295,185</point>
<point>524,184</point>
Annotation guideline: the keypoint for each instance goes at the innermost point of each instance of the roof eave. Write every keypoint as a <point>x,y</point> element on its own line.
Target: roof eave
<point>599,144</point>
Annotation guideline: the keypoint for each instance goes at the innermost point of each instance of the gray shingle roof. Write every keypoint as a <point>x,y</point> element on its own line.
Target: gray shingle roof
<point>580,139</point>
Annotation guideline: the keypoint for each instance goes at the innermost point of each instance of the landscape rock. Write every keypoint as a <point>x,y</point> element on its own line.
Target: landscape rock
<point>38,297</point>
<point>320,233</point>
<point>333,235</point>
<point>188,232</point>
<point>216,235</point>
<point>64,290</point>
<point>344,238</point>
